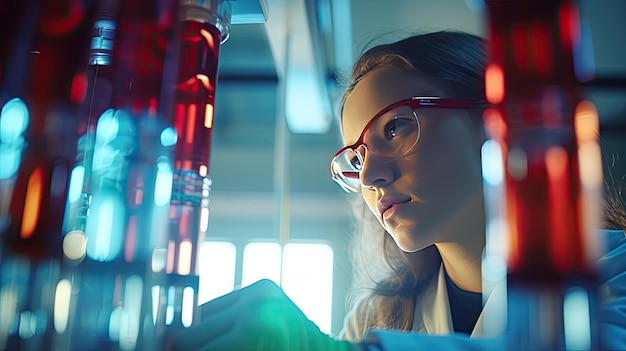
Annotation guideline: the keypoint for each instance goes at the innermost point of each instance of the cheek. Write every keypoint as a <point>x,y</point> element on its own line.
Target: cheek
<point>370,200</point>
<point>447,163</point>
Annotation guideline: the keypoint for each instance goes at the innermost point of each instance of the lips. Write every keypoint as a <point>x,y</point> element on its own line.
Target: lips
<point>386,203</point>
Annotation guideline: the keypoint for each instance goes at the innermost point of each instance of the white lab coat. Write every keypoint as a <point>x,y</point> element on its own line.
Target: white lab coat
<point>432,324</point>
<point>432,311</point>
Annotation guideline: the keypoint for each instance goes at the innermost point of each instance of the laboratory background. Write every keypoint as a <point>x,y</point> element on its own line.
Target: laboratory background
<point>268,180</point>
<point>265,204</point>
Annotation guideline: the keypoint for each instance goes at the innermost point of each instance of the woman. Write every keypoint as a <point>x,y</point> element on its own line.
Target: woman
<point>411,120</point>
<point>435,186</point>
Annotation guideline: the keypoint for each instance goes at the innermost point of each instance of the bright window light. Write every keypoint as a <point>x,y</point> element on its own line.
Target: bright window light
<point>217,269</point>
<point>305,110</point>
<point>307,273</point>
<point>187,309</point>
<point>308,280</point>
<point>260,261</point>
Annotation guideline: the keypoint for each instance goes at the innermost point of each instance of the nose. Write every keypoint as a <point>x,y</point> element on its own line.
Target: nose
<point>375,172</point>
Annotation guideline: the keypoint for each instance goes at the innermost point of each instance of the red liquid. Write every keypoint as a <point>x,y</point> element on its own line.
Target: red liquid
<point>193,121</point>
<point>531,42</point>
<point>546,223</point>
<point>195,95</point>
<point>145,32</point>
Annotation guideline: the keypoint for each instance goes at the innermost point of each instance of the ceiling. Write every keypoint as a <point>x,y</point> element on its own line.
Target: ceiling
<point>255,156</point>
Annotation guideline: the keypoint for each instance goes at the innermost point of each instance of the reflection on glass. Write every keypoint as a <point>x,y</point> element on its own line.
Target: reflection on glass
<point>118,221</point>
<point>105,226</point>
<point>62,299</point>
<point>14,119</point>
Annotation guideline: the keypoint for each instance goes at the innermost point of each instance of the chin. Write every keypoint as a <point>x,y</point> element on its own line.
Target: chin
<point>408,237</point>
<point>408,244</point>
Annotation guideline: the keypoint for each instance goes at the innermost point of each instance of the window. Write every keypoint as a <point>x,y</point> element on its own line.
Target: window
<point>308,280</point>
<point>304,270</point>
<point>261,260</point>
<point>216,282</point>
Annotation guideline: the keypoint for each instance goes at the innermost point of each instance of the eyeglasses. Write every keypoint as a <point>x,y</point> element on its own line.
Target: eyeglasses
<point>390,134</point>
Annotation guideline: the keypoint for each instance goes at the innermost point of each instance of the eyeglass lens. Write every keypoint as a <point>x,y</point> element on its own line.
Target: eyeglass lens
<point>391,136</point>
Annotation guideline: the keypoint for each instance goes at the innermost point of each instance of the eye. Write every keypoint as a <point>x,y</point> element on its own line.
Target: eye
<point>398,126</point>
<point>356,162</point>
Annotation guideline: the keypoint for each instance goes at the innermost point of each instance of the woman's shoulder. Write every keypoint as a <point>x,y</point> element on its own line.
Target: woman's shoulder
<point>612,264</point>
<point>612,291</point>
<point>612,239</point>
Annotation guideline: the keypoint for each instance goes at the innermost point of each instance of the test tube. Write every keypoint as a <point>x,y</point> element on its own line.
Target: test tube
<point>204,25</point>
<point>551,170</point>
<point>127,164</point>
<point>99,80</point>
<point>42,53</point>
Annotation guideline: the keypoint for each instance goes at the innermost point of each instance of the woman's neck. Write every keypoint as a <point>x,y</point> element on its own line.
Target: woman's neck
<point>462,253</point>
<point>462,266</point>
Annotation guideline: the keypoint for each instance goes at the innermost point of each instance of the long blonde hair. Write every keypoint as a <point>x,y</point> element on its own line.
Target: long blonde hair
<point>386,280</point>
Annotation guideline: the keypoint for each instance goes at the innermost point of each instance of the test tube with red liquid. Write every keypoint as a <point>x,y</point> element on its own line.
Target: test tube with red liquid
<point>551,171</point>
<point>203,27</point>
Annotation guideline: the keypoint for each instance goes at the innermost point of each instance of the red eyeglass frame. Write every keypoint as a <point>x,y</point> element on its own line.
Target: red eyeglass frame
<point>415,103</point>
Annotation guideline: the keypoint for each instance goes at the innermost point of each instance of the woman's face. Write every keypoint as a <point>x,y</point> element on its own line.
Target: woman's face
<point>417,196</point>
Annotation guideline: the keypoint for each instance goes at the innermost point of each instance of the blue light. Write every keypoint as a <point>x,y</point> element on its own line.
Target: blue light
<point>108,127</point>
<point>576,319</point>
<point>493,169</point>
<point>115,138</point>
<point>163,183</point>
<point>169,137</point>
<point>76,183</point>
<point>105,226</point>
<point>13,121</point>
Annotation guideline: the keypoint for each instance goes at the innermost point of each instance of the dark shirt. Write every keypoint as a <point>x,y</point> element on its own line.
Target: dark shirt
<point>465,307</point>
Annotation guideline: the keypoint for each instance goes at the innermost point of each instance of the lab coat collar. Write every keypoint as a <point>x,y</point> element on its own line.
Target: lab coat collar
<point>432,312</point>
<point>433,316</point>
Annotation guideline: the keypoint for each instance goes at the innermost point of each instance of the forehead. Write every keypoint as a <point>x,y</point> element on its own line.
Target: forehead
<point>377,90</point>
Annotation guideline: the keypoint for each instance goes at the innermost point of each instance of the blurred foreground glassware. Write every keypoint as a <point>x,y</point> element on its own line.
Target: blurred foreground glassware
<point>203,26</point>
<point>544,135</point>
<point>115,234</point>
<point>43,48</point>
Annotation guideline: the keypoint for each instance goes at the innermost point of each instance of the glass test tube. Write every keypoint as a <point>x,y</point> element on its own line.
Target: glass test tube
<point>550,246</point>
<point>100,75</point>
<point>203,26</point>
<point>42,54</point>
<point>128,175</point>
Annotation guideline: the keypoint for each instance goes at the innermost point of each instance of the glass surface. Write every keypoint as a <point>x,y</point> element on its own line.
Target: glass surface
<point>390,134</point>
<point>128,176</point>
<point>42,54</point>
